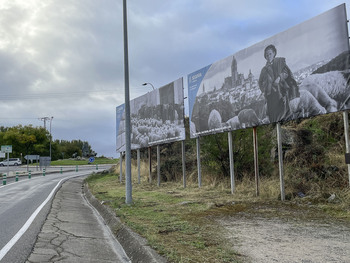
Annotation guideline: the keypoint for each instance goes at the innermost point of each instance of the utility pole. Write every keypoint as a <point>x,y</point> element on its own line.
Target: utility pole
<point>50,135</point>
<point>44,119</point>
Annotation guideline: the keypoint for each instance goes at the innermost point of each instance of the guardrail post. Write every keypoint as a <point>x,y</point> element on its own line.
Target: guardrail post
<point>76,168</point>
<point>30,174</point>
<point>44,171</point>
<point>96,166</point>
<point>16,176</point>
<point>61,169</point>
<point>4,179</point>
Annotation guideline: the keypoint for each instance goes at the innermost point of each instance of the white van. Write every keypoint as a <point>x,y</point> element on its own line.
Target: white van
<point>12,161</point>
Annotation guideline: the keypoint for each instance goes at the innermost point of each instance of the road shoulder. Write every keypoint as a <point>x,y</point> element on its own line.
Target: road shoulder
<point>73,233</point>
<point>135,246</point>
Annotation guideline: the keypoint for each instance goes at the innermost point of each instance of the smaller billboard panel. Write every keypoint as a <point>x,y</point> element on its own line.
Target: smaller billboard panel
<point>157,117</point>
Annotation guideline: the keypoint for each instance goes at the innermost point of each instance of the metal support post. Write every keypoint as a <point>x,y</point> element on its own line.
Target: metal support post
<point>346,133</point>
<point>230,149</point>
<point>183,163</point>
<point>280,159</point>
<point>121,168</point>
<point>158,164</point>
<point>138,167</point>
<point>150,164</point>
<point>256,163</point>
<point>199,163</point>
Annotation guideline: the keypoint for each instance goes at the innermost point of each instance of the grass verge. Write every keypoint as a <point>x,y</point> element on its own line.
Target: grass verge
<point>170,217</point>
<point>97,160</point>
<point>181,223</point>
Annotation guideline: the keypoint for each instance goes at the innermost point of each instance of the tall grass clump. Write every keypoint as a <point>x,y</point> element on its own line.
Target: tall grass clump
<point>313,160</point>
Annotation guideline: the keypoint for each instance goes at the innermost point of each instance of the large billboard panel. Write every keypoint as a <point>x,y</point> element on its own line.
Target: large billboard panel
<point>299,73</point>
<point>156,117</point>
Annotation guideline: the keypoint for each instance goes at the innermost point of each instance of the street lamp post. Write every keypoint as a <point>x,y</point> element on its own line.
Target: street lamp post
<point>144,84</point>
<point>128,185</point>
<point>149,148</point>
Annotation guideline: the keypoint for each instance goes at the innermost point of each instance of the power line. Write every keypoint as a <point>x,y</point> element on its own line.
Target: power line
<point>22,118</point>
<point>51,95</point>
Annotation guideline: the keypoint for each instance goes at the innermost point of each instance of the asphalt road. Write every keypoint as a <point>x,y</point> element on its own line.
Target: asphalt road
<point>24,206</point>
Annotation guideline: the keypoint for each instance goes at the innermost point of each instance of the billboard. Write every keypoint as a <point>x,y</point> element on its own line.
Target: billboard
<point>156,117</point>
<point>298,73</point>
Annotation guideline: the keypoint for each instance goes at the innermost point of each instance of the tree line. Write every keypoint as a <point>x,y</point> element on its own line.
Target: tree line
<point>29,140</point>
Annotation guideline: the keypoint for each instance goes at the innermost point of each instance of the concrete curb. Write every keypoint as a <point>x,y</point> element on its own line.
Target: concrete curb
<point>135,246</point>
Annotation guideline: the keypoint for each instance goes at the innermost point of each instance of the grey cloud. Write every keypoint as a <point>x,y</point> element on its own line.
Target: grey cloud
<point>70,46</point>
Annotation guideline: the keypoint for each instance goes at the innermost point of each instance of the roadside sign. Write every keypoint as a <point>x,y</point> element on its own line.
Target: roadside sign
<point>2,155</point>
<point>32,157</point>
<point>45,161</point>
<point>6,148</point>
<point>91,159</point>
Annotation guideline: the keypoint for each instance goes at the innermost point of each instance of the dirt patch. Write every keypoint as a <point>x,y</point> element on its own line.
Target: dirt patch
<point>272,239</point>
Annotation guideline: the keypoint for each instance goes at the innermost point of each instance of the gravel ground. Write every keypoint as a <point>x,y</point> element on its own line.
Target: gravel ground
<point>262,239</point>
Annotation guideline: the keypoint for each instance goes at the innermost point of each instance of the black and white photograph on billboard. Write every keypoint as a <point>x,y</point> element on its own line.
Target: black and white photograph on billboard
<point>157,117</point>
<point>298,73</point>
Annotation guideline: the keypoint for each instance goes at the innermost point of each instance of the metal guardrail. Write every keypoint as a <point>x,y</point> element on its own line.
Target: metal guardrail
<point>18,171</point>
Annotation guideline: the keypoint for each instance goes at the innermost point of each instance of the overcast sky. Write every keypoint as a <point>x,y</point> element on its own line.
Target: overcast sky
<point>64,59</point>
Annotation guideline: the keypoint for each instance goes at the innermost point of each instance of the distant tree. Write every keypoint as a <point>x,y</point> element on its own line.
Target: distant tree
<point>25,139</point>
<point>75,147</point>
<point>29,140</point>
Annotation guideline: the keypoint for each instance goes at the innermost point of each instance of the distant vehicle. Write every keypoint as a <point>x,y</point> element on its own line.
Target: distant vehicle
<point>12,161</point>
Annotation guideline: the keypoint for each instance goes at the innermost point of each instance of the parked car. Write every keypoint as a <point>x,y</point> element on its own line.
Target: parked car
<point>12,161</point>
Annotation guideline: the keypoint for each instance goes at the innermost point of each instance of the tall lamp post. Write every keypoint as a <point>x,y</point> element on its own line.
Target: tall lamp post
<point>147,83</point>
<point>149,147</point>
<point>128,185</point>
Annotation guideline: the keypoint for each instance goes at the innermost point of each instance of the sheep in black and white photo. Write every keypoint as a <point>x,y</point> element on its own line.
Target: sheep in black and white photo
<point>248,118</point>
<point>214,120</point>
